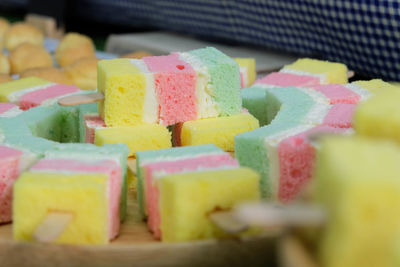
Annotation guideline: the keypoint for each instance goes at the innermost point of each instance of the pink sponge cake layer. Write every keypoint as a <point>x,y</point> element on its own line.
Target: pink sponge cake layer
<point>111,168</point>
<point>37,97</point>
<point>296,161</point>
<point>154,171</point>
<point>338,93</point>
<point>340,115</point>
<point>9,172</point>
<point>91,123</point>
<point>280,79</point>
<point>4,107</point>
<point>175,85</point>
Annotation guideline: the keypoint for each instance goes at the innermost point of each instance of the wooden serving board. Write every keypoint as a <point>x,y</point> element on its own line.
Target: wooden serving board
<point>135,246</point>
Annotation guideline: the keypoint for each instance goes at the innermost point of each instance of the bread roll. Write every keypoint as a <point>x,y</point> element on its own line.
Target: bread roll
<point>4,25</point>
<point>83,73</point>
<point>5,78</point>
<point>72,47</point>
<point>51,74</point>
<point>28,56</point>
<point>20,33</point>
<point>4,64</point>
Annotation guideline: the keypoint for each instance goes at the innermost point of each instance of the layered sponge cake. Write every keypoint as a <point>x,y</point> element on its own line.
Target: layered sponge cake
<point>169,89</point>
<point>31,92</point>
<point>283,150</point>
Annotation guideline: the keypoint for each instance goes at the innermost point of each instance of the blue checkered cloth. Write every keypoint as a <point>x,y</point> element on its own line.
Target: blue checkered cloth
<point>365,35</point>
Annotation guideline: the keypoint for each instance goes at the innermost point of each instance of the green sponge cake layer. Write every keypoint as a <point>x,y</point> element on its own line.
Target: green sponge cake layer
<point>35,144</point>
<point>88,152</point>
<point>13,127</point>
<point>44,122</point>
<point>225,79</point>
<point>287,108</point>
<point>169,154</point>
<point>255,101</point>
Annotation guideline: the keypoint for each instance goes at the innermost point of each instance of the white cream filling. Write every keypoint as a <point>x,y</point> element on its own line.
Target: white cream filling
<point>15,96</point>
<point>150,105</point>
<point>11,112</point>
<point>244,76</point>
<point>206,106</point>
<point>27,160</point>
<point>363,93</point>
<point>271,144</point>
<point>323,79</point>
<point>89,157</point>
<point>319,110</point>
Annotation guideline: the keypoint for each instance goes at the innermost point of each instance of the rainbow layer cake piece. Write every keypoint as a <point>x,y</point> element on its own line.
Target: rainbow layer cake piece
<point>327,72</point>
<point>13,161</point>
<point>187,199</point>
<point>91,122</point>
<point>219,131</point>
<point>169,89</point>
<point>116,153</point>
<point>31,92</point>
<point>89,191</point>
<point>137,138</point>
<point>172,154</point>
<point>157,170</point>
<point>247,68</point>
<point>357,181</point>
<point>283,151</point>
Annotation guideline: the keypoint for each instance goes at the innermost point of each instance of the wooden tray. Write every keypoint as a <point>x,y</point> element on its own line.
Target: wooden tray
<point>135,246</point>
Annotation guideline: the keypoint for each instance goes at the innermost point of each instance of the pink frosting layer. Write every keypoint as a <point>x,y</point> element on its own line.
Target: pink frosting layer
<point>296,162</point>
<point>35,98</point>
<point>338,93</point>
<point>175,83</point>
<point>114,182</point>
<point>4,107</point>
<point>340,115</point>
<point>168,167</point>
<point>281,79</point>
<point>9,172</point>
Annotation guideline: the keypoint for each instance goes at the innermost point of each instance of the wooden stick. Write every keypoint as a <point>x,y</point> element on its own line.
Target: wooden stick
<point>292,253</point>
<point>269,215</point>
<point>350,74</point>
<point>52,226</point>
<point>80,99</point>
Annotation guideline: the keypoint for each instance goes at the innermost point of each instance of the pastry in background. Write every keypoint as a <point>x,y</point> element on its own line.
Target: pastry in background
<point>51,74</point>
<point>4,64</point>
<point>138,54</point>
<point>20,33</point>
<point>72,47</point>
<point>5,78</point>
<point>83,73</point>
<point>28,56</point>
<point>4,25</point>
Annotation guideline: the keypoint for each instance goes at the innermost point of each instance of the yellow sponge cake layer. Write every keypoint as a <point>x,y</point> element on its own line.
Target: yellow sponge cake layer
<point>331,72</point>
<point>358,182</point>
<point>18,85</point>
<point>379,116</point>
<point>137,138</point>
<point>188,198</point>
<point>218,131</point>
<point>121,82</point>
<point>376,86</point>
<point>84,195</point>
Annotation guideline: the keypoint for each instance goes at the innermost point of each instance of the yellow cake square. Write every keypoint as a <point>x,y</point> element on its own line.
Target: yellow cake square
<point>137,138</point>
<point>247,65</point>
<point>357,180</point>
<point>331,72</point>
<point>379,116</point>
<point>14,86</point>
<point>219,131</point>
<point>84,195</point>
<point>124,88</point>
<point>186,199</point>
